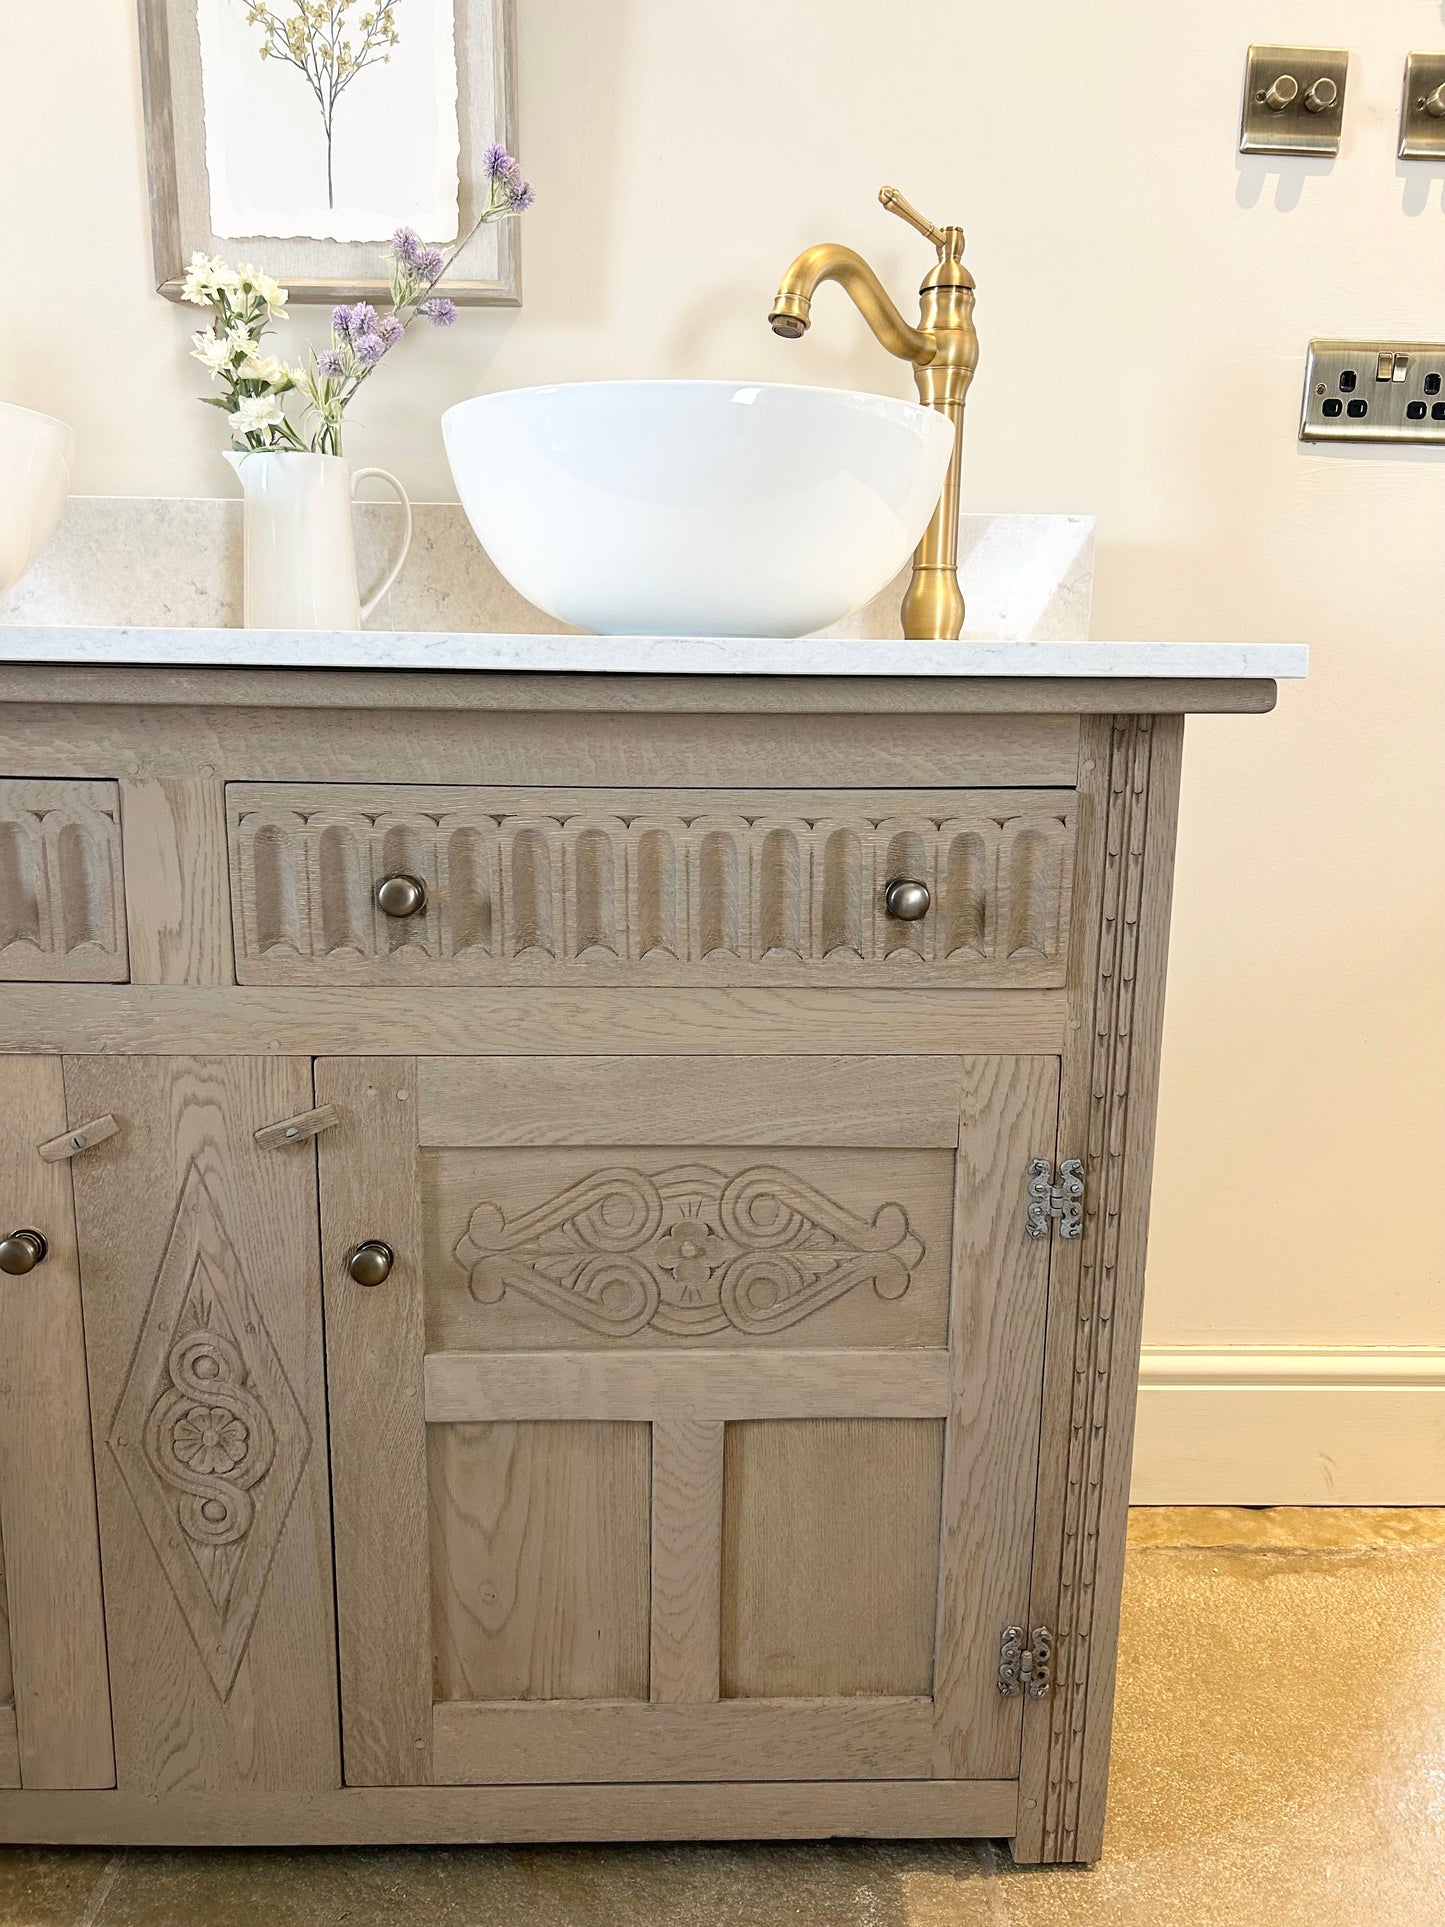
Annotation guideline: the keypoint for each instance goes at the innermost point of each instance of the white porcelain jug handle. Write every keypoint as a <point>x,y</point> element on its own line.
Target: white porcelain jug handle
<point>384,475</point>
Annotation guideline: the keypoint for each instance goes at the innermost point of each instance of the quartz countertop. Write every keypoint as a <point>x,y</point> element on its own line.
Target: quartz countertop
<point>645,655</point>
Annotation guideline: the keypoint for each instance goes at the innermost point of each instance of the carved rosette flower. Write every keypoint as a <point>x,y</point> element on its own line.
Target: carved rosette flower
<point>209,1439</point>
<point>691,1251</point>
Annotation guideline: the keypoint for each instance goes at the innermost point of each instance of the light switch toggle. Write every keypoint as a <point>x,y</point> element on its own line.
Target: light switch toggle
<point>1282,93</point>
<point>1385,368</point>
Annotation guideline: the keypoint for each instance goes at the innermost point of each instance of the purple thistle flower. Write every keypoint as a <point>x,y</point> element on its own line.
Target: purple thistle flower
<point>431,264</point>
<point>520,194</point>
<point>369,349</point>
<point>496,162</point>
<point>439,311</point>
<point>350,324</point>
<point>330,363</point>
<point>390,330</point>
<point>406,246</point>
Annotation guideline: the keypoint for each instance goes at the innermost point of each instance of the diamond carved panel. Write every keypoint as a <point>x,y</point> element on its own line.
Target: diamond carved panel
<point>208,1435</point>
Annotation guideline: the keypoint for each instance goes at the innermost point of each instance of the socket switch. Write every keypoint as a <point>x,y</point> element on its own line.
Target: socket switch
<point>1374,391</point>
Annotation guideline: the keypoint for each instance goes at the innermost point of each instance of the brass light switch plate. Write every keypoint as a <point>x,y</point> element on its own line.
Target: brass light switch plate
<point>1374,391</point>
<point>1422,108</point>
<point>1294,100</point>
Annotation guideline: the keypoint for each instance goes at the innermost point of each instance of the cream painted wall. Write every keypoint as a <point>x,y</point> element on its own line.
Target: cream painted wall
<point>1145,297</point>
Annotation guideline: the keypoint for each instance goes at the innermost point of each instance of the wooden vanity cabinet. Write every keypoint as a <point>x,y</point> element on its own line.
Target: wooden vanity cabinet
<point>641,1346</point>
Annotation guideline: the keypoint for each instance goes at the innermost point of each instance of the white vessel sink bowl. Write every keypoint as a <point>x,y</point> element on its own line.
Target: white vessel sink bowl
<point>35,453</point>
<point>696,508</point>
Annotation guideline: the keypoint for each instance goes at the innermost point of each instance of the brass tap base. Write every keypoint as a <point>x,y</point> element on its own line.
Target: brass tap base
<point>933,605</point>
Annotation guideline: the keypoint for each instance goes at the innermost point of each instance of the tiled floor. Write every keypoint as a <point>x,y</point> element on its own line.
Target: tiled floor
<point>1279,1758</point>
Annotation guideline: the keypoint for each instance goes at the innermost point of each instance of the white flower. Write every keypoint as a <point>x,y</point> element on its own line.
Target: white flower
<point>207,277</point>
<point>254,413</point>
<point>258,367</point>
<point>252,281</point>
<point>213,351</point>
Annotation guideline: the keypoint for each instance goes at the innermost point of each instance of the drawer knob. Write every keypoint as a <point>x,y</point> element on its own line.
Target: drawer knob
<point>22,1251</point>
<point>401,895</point>
<point>370,1263</point>
<point>906,899</point>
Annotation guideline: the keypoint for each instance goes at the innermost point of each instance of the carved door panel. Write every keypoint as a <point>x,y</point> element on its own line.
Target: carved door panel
<point>54,1692</point>
<point>198,1267</point>
<point>693,1431</point>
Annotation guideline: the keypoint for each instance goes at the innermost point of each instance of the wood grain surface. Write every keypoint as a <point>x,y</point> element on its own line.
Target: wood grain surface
<point>61,1690</point>
<point>539,1561</point>
<point>203,1336</point>
<point>374,1345</point>
<point>830,1557</point>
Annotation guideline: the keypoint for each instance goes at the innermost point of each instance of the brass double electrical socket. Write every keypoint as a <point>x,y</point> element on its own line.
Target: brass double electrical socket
<point>1294,100</point>
<point>1374,391</point>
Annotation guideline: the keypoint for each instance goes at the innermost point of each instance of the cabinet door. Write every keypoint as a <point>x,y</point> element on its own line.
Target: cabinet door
<point>693,1433</point>
<point>202,1301</point>
<point>54,1692</point>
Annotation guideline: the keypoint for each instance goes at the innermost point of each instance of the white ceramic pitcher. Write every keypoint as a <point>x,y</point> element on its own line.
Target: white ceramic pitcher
<point>300,549</point>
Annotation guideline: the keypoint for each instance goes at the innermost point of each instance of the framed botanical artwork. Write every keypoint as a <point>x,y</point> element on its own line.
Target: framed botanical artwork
<point>302,133</point>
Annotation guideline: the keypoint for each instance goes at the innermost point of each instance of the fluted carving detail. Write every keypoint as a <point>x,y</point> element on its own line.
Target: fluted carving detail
<point>62,904</point>
<point>612,894</point>
<point>1111,1079</point>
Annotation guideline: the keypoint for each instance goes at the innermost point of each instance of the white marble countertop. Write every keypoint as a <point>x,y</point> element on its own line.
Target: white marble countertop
<point>644,655</point>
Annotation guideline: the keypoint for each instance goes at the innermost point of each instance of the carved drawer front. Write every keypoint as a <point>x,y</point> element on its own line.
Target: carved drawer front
<point>62,902</point>
<point>684,1413</point>
<point>648,886</point>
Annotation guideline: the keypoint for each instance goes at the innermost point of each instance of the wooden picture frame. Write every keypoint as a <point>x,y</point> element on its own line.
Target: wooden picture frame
<point>487,273</point>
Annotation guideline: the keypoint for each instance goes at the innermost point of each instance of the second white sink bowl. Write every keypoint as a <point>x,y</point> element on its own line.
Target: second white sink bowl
<point>696,508</point>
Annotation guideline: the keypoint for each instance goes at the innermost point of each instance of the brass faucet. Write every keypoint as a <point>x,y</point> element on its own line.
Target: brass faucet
<point>943,349</point>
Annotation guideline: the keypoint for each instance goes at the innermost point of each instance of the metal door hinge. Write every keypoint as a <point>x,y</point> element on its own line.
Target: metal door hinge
<point>1050,1197</point>
<point>1026,1669</point>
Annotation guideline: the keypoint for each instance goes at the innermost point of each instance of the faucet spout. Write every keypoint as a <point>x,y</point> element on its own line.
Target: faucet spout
<point>791,311</point>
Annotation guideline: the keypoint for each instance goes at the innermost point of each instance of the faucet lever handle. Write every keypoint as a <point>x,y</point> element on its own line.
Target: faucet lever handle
<point>906,211</point>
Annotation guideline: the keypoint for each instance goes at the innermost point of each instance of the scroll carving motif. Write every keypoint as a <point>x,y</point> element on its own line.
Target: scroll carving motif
<point>688,1251</point>
<point>208,1435</point>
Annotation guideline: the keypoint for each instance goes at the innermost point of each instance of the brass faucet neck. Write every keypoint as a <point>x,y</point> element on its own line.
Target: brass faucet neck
<point>830,261</point>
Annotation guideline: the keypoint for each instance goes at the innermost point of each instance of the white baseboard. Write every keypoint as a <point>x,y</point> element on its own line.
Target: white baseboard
<point>1290,1425</point>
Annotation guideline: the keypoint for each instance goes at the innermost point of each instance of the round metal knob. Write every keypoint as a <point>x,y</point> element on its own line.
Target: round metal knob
<point>401,895</point>
<point>1282,94</point>
<point>1321,96</point>
<point>371,1263</point>
<point>906,899</point>
<point>22,1251</point>
<point>1434,104</point>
